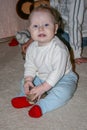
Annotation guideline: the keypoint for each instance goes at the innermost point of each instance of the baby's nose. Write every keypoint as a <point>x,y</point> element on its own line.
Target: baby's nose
<point>41,27</point>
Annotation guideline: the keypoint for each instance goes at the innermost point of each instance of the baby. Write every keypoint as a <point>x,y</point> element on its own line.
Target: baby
<point>47,66</point>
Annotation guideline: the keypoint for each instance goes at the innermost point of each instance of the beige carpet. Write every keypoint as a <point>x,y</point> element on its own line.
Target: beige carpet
<point>72,116</point>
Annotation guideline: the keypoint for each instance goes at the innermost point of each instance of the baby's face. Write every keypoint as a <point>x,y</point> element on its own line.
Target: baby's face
<point>42,27</point>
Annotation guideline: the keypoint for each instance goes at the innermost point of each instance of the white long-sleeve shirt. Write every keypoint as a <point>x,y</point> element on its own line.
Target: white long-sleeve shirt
<point>50,62</point>
<point>74,14</point>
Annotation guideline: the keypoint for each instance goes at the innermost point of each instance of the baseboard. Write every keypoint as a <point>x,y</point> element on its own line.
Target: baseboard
<point>2,40</point>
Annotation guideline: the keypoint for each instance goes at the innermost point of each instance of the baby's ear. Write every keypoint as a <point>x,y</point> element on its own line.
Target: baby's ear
<point>56,28</point>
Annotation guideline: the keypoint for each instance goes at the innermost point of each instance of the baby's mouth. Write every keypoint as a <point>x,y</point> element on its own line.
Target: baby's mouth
<point>41,35</point>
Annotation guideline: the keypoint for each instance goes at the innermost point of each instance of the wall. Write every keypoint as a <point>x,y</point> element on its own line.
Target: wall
<point>10,22</point>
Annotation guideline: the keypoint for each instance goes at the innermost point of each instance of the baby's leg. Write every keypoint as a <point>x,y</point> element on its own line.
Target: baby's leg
<point>21,101</point>
<point>22,93</point>
<point>60,94</point>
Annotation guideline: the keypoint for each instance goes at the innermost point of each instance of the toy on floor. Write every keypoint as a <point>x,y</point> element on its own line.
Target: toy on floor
<point>13,42</point>
<point>23,36</point>
<point>20,38</point>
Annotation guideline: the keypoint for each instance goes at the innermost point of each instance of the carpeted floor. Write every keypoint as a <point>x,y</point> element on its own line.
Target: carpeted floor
<point>72,116</point>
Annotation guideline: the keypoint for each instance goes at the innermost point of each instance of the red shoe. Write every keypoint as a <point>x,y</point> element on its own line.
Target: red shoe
<point>20,102</point>
<point>13,42</point>
<point>35,111</point>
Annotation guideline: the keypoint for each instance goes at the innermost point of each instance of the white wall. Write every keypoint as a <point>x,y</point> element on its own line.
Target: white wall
<point>10,22</point>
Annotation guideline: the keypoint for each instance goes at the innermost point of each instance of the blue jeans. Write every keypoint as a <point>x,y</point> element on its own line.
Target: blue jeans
<point>58,95</point>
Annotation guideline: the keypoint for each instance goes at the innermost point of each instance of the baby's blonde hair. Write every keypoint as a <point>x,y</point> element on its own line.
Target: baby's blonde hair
<point>54,13</point>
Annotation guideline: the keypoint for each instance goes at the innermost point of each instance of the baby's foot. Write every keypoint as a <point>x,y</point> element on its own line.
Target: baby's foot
<point>20,102</point>
<point>35,111</point>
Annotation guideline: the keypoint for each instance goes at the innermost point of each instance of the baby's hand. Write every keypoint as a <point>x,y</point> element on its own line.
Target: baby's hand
<point>30,98</point>
<point>27,87</point>
<point>37,92</point>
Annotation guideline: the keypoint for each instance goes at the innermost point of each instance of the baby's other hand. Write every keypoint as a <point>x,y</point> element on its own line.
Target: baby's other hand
<point>28,85</point>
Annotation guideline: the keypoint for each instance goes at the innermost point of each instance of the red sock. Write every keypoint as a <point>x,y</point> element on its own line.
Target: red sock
<point>35,111</point>
<point>13,42</point>
<point>20,102</point>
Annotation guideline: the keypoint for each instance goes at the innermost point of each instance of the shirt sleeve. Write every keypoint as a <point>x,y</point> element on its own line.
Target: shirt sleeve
<point>29,66</point>
<point>59,63</point>
<point>76,12</point>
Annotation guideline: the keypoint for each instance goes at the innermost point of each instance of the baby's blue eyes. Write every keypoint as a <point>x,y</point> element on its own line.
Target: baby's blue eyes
<point>37,26</point>
<point>46,25</point>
